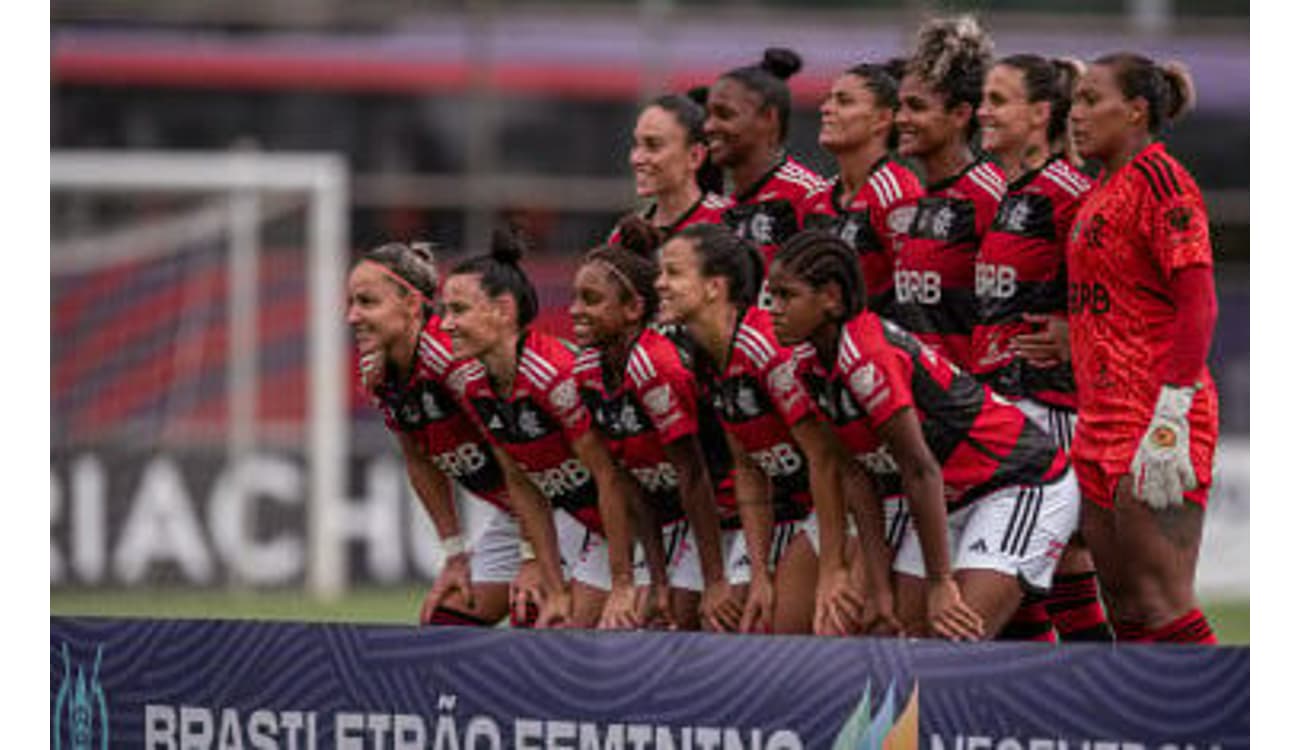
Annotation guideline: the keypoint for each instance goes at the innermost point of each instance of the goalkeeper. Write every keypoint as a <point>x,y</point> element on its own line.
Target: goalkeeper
<point>1142,313</point>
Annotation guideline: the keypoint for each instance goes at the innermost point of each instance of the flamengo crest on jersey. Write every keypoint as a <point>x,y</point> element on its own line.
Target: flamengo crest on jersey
<point>769,213</point>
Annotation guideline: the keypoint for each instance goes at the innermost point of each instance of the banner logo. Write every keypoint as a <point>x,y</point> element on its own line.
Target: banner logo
<point>85,706</point>
<point>882,730</point>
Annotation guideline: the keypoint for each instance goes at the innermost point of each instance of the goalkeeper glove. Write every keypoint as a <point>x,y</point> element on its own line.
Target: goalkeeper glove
<point>1162,468</point>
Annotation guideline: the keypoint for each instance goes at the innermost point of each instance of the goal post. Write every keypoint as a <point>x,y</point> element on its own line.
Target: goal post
<point>244,180</point>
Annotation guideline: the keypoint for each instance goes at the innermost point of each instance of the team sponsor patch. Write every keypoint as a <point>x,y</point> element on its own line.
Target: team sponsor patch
<point>1179,218</point>
<point>659,400</point>
<point>866,381</point>
<point>565,395</point>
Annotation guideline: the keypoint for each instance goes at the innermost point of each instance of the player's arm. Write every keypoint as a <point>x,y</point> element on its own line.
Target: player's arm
<point>922,478</point>
<point>837,605</point>
<point>875,558</point>
<point>696,490</point>
<point>622,514</point>
<point>754,506</point>
<point>433,488</point>
<point>537,527</point>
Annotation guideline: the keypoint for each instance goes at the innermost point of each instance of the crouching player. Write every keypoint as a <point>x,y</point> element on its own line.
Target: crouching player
<point>992,500</point>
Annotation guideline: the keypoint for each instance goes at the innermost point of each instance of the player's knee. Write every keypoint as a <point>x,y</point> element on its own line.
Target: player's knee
<point>449,616</point>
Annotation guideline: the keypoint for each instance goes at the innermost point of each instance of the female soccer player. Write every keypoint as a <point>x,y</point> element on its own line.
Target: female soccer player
<point>991,498</point>
<point>1142,313</point>
<point>524,397</point>
<point>708,282</point>
<point>668,155</point>
<point>934,278</point>
<point>644,399</point>
<point>1020,286</point>
<point>405,361</point>
<point>748,121</point>
<point>860,204</point>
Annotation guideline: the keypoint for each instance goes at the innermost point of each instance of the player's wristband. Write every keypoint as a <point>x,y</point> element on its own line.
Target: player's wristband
<point>526,552</point>
<point>454,545</point>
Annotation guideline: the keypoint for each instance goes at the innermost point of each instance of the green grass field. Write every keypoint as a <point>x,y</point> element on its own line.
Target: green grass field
<point>394,606</point>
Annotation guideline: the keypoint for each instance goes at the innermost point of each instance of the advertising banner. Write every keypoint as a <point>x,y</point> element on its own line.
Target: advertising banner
<point>206,684</point>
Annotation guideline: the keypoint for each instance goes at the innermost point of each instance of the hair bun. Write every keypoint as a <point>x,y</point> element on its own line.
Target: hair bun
<point>699,95</point>
<point>1181,89</point>
<point>425,250</point>
<point>507,246</point>
<point>638,236</point>
<point>781,62</point>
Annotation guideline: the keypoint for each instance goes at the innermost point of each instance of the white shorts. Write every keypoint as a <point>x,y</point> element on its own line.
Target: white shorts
<point>593,565</point>
<point>736,552</point>
<point>1057,422</point>
<point>895,507</point>
<point>495,554</point>
<point>1020,531</point>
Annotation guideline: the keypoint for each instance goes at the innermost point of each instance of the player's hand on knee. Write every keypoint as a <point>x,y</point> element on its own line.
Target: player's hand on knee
<point>948,613</point>
<point>1162,467</point>
<point>720,610</point>
<point>454,579</point>
<point>526,596</point>
<point>838,608</point>
<point>760,605</point>
<point>621,610</point>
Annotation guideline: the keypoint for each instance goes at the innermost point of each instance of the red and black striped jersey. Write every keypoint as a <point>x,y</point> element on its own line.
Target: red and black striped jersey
<point>639,411</point>
<point>864,223</point>
<point>981,440</point>
<point>1020,268</point>
<point>769,211</point>
<point>707,210</point>
<point>538,422</point>
<point>425,408</point>
<point>934,274</point>
<point>758,398</point>
<point>1134,231</point>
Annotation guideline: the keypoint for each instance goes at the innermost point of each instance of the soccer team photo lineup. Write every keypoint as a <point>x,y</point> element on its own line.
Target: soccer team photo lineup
<point>957,389</point>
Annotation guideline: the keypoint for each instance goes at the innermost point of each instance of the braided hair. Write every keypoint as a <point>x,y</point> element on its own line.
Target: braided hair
<point>818,258</point>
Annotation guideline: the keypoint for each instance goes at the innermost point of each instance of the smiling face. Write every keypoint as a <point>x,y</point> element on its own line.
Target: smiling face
<point>475,322</point>
<point>380,313</point>
<point>925,125</point>
<point>850,115</point>
<point>1007,118</point>
<point>1102,121</point>
<point>799,309</point>
<point>662,158</point>
<point>602,309</point>
<point>683,290</point>
<point>737,125</point>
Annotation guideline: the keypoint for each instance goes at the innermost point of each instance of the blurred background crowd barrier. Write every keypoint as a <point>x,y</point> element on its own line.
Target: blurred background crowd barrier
<point>204,428</point>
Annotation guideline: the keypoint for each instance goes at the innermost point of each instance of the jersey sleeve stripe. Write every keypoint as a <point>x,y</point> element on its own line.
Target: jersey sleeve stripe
<point>1151,180</point>
<point>1065,171</point>
<point>882,197</point>
<point>982,180</point>
<point>432,357</point>
<point>543,367</point>
<point>1154,167</point>
<point>1061,183</point>
<point>647,364</point>
<point>533,376</point>
<point>757,339</point>
<point>1163,163</point>
<point>893,183</point>
<point>753,350</point>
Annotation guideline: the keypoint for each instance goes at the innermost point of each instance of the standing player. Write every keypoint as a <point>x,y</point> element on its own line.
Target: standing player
<point>405,361</point>
<point>860,204</point>
<point>644,399</point>
<point>669,158</point>
<point>708,282</point>
<point>1142,314</point>
<point>958,450</point>
<point>934,279</point>
<point>522,392</point>
<point>1020,286</point>
<point>748,121</point>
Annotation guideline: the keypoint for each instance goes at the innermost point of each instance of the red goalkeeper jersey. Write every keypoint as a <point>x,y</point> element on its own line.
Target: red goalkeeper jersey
<point>1136,229</point>
<point>981,440</point>
<point>1020,268</point>
<point>934,276</point>
<point>868,224</point>
<point>538,422</point>
<point>428,410</point>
